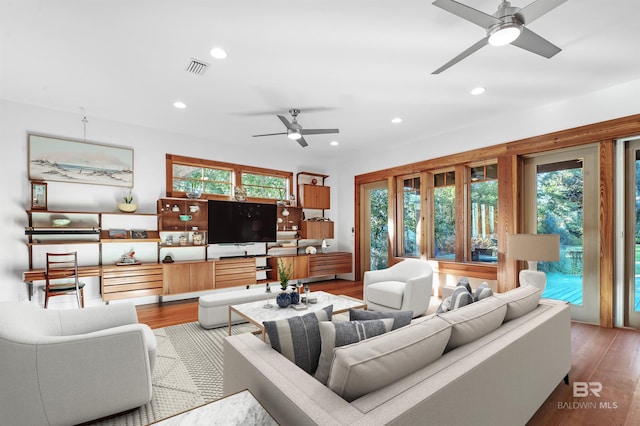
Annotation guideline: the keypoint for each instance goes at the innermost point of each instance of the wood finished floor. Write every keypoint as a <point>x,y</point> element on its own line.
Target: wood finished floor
<point>608,356</point>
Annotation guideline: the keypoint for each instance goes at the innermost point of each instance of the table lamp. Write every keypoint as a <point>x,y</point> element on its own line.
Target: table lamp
<point>533,248</point>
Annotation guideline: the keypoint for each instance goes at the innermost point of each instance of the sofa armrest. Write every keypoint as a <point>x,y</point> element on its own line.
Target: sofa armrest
<point>287,392</point>
<point>109,369</point>
<point>87,320</point>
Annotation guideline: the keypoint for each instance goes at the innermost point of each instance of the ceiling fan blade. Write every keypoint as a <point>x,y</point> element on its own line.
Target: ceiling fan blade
<point>270,134</point>
<point>318,131</point>
<point>465,12</point>
<point>532,42</point>
<point>302,142</point>
<point>285,122</point>
<point>480,44</point>
<point>537,9</point>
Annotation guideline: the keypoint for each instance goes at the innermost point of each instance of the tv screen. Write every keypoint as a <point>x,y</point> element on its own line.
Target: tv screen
<point>241,222</point>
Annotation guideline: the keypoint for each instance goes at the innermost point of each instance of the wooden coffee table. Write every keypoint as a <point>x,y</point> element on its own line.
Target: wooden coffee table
<point>256,313</point>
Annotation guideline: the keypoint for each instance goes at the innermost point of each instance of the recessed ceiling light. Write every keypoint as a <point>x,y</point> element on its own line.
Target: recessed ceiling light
<point>334,143</point>
<point>478,91</point>
<point>179,105</point>
<point>396,120</point>
<point>218,53</point>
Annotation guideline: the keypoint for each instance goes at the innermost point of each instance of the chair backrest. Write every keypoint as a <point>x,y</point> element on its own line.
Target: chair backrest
<point>411,268</point>
<point>61,268</point>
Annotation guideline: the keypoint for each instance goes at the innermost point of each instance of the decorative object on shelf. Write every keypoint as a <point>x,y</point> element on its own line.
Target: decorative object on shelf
<point>128,259</point>
<point>127,205</point>
<point>167,259</point>
<point>139,234</point>
<point>324,246</point>
<point>169,240</point>
<point>195,192</point>
<point>38,195</point>
<point>198,238</point>
<point>314,181</point>
<point>67,160</point>
<point>194,208</point>
<point>310,250</point>
<point>185,217</point>
<point>182,240</point>
<point>285,272</point>
<point>292,200</point>
<point>60,221</point>
<point>117,234</point>
<point>240,193</point>
<point>175,208</point>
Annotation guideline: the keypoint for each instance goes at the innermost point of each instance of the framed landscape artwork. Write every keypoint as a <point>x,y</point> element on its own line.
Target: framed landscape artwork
<point>65,160</point>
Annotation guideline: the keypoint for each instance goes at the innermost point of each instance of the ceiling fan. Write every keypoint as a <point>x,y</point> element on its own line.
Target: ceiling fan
<point>506,26</point>
<point>295,130</point>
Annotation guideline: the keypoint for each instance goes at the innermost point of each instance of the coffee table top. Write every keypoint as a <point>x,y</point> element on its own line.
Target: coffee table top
<point>256,313</point>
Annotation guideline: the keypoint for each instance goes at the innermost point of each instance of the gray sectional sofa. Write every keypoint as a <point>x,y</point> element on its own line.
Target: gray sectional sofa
<point>493,362</point>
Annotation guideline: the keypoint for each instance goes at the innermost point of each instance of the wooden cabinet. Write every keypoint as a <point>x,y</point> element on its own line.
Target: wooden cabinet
<point>186,277</point>
<point>299,266</point>
<point>235,272</point>
<point>121,282</point>
<point>329,264</point>
<point>314,196</point>
<point>316,229</point>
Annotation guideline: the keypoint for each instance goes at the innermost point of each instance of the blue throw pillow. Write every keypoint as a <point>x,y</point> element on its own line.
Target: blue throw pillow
<point>298,338</point>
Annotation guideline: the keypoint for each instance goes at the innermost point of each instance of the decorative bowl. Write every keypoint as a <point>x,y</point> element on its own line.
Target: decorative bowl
<point>194,195</point>
<point>63,221</point>
<point>127,208</point>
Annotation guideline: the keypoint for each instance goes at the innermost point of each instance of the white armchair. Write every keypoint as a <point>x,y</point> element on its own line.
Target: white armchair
<point>63,367</point>
<point>405,286</point>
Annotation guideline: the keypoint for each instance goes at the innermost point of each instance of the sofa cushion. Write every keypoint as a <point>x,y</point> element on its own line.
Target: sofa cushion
<point>340,333</point>
<point>520,301</point>
<point>298,338</point>
<point>386,293</point>
<point>374,363</point>
<point>400,318</point>
<point>474,321</point>
<point>482,292</point>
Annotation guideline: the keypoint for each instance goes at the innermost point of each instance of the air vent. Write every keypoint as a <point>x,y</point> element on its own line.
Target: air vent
<point>196,67</point>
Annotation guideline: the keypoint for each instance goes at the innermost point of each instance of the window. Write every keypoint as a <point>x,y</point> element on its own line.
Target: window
<point>444,215</point>
<point>260,185</point>
<point>217,180</point>
<point>484,213</point>
<point>409,218</point>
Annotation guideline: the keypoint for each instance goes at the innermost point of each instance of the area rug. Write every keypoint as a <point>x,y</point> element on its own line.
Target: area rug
<point>188,372</point>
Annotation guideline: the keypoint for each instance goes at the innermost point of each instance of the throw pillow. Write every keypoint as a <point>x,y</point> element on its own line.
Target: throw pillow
<point>298,338</point>
<point>400,318</point>
<point>445,305</point>
<point>482,292</point>
<point>341,333</point>
<point>520,301</point>
<point>460,297</point>
<point>464,282</point>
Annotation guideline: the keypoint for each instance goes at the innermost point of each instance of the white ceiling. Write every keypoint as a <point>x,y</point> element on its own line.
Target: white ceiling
<point>360,62</point>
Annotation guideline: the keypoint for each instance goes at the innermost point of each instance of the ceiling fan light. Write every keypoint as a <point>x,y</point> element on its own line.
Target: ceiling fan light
<point>504,34</point>
<point>293,134</point>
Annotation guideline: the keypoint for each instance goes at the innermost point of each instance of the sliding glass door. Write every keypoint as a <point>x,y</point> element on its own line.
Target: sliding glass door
<point>632,240</point>
<point>374,220</point>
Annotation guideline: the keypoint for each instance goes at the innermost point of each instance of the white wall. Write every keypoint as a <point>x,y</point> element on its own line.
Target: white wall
<point>150,147</point>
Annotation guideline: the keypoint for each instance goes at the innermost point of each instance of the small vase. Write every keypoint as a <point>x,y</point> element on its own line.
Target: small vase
<point>283,299</point>
<point>127,207</point>
<point>295,297</point>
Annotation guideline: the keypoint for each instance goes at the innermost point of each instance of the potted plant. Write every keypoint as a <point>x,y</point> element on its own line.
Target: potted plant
<point>127,205</point>
<point>285,272</point>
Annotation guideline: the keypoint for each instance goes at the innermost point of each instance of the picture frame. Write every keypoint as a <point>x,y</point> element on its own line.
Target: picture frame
<point>139,234</point>
<point>118,234</point>
<point>38,195</point>
<point>73,161</point>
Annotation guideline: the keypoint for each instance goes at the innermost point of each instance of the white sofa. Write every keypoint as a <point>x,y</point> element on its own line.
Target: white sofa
<point>501,378</point>
<point>405,286</point>
<point>65,367</point>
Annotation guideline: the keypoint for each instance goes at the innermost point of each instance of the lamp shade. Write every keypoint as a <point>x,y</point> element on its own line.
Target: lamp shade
<point>534,247</point>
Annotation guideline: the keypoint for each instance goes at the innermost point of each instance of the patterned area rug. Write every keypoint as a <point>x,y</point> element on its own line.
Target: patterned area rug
<point>188,372</point>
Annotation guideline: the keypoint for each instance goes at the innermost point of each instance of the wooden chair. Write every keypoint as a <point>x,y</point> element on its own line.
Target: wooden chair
<point>61,274</point>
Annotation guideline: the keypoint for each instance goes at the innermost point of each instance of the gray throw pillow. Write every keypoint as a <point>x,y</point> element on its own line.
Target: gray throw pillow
<point>341,333</point>
<point>464,282</point>
<point>482,292</point>
<point>460,297</point>
<point>298,338</point>
<point>445,305</point>
<point>400,318</point>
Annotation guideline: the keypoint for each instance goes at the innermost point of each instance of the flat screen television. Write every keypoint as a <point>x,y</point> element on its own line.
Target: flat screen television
<point>232,222</point>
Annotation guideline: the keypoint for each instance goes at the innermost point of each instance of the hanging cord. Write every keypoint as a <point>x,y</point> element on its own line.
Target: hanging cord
<point>84,122</point>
